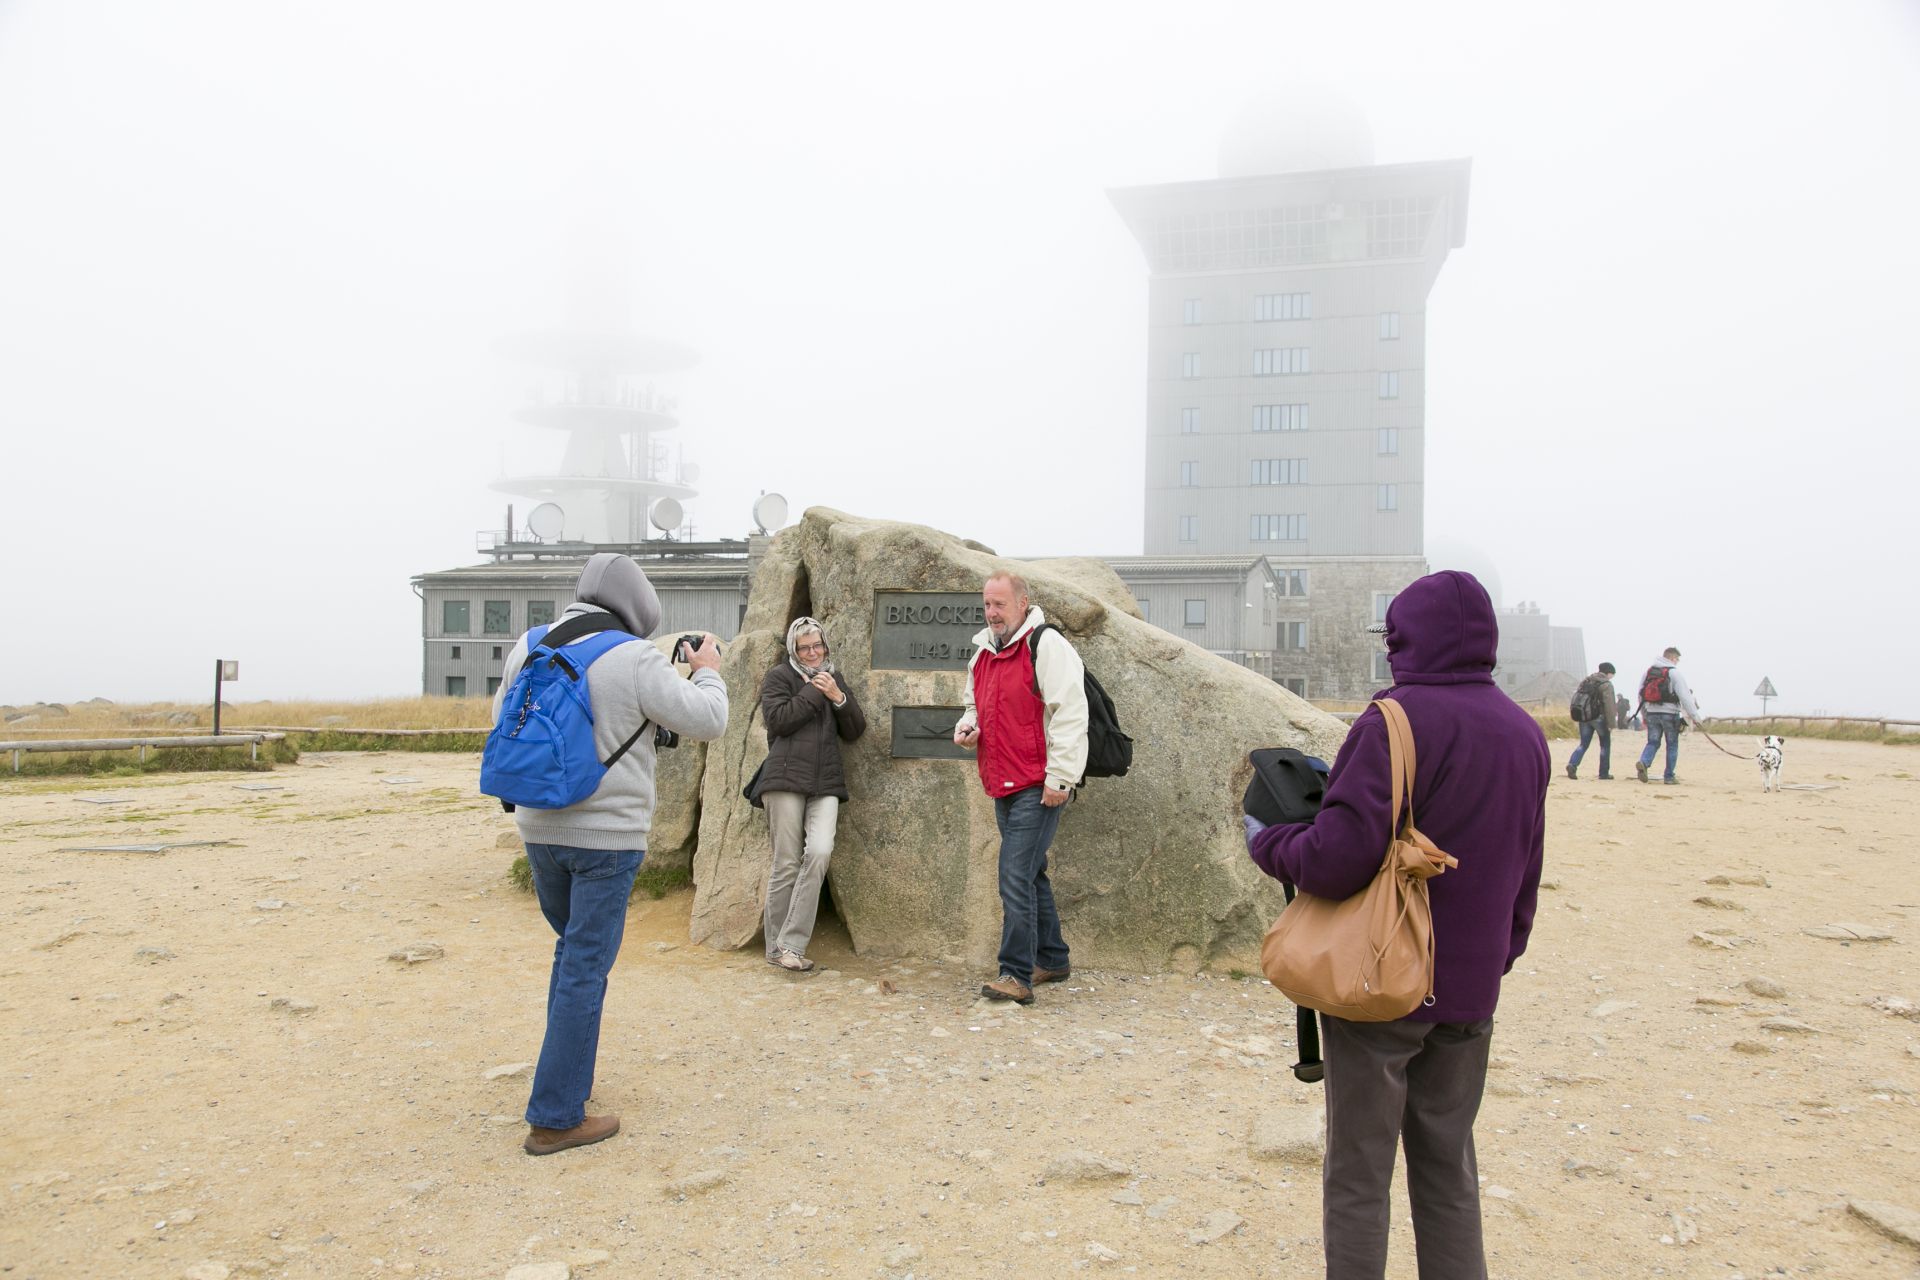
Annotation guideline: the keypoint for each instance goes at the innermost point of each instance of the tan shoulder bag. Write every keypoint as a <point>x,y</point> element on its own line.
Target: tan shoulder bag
<point>1368,958</point>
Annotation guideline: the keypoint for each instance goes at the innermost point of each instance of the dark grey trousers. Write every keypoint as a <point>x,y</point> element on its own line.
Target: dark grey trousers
<point>1417,1083</point>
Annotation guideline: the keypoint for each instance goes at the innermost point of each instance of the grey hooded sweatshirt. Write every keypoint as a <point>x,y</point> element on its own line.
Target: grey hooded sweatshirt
<point>630,683</point>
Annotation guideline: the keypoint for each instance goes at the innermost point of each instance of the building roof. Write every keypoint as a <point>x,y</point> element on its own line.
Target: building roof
<point>564,574</point>
<point>1187,568</point>
<point>1333,193</point>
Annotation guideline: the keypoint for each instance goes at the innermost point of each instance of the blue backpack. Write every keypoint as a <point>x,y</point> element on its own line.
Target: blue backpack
<point>541,753</point>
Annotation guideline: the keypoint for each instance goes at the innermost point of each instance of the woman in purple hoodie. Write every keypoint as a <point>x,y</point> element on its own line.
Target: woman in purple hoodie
<point>1479,792</point>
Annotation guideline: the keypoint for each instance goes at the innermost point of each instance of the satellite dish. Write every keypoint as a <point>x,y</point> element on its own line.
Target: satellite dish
<point>667,515</point>
<point>690,474</point>
<point>770,512</point>
<point>546,521</point>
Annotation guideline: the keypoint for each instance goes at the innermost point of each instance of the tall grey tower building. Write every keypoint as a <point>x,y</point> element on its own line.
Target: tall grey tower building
<point>1286,382</point>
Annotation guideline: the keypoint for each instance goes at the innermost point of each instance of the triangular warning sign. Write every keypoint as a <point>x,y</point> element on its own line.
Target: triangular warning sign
<point>1766,689</point>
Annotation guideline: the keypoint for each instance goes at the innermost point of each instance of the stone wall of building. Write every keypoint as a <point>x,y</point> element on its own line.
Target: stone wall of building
<point>1344,594</point>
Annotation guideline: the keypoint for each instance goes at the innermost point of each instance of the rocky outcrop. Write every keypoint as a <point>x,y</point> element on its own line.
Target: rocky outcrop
<point>676,795</point>
<point>1150,871</point>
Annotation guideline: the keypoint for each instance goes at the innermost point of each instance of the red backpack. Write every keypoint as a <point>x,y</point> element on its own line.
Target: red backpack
<point>1657,686</point>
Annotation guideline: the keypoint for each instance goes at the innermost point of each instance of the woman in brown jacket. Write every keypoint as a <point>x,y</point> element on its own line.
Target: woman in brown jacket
<point>809,711</point>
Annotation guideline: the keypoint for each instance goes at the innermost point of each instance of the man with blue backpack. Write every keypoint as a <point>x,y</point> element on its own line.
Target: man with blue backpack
<point>572,755</point>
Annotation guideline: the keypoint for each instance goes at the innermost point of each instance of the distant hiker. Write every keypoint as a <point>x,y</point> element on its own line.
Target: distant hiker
<point>1665,697</point>
<point>809,711</point>
<point>1592,709</point>
<point>1480,788</point>
<point>584,855</point>
<point>1622,709</point>
<point>1027,717</point>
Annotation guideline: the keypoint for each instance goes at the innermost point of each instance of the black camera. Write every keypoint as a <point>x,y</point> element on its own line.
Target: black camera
<point>688,643</point>
<point>665,737</point>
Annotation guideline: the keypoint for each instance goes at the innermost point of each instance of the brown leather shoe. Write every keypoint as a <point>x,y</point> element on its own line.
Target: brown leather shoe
<point>544,1142</point>
<point>1051,975</point>
<point>1008,987</point>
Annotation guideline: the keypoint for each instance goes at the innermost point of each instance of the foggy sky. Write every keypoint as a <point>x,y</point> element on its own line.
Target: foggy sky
<point>253,262</point>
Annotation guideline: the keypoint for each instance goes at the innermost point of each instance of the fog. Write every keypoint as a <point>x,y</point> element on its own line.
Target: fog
<point>255,260</point>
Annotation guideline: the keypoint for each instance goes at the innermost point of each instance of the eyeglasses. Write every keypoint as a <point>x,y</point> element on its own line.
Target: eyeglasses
<point>810,648</point>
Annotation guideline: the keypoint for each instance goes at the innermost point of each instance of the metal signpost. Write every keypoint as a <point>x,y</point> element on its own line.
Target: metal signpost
<point>1765,691</point>
<point>223,669</point>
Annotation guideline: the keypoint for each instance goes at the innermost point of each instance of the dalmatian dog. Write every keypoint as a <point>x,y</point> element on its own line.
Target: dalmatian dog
<point>1771,758</point>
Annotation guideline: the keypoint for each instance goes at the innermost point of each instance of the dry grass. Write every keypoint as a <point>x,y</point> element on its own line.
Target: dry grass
<point>118,720</point>
<point>335,723</point>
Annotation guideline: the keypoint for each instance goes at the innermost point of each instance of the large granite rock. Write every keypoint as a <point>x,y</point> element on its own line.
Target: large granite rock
<point>676,795</point>
<point>1150,871</point>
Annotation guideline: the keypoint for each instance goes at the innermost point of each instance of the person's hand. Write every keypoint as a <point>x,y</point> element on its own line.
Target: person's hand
<point>967,736</point>
<point>825,684</point>
<point>1054,799</point>
<point>707,656</point>
<point>1254,827</point>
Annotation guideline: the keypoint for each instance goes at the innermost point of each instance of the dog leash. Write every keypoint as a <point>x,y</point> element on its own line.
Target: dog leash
<point>1703,733</point>
<point>1736,755</point>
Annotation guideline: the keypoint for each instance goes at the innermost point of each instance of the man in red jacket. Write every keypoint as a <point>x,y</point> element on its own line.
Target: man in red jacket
<point>1026,716</point>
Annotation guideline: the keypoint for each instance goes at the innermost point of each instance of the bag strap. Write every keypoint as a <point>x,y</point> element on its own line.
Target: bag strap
<point>628,744</point>
<point>584,625</point>
<point>1033,652</point>
<point>1404,759</point>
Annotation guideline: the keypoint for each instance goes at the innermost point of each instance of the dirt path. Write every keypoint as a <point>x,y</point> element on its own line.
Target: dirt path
<point>210,1062</point>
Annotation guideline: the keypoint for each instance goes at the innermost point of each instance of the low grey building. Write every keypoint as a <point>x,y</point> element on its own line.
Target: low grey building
<point>1226,604</point>
<point>471,616</point>
<point>1301,622</point>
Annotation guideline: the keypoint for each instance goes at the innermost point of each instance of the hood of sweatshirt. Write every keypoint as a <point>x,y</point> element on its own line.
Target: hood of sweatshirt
<point>1441,630</point>
<point>615,583</point>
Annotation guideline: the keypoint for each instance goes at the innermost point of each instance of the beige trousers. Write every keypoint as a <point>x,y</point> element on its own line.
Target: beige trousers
<point>802,828</point>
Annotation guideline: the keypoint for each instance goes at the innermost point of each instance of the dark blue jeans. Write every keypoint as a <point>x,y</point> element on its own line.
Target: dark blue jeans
<point>583,894</point>
<point>1029,925</point>
<point>1588,728</point>
<point>1659,726</point>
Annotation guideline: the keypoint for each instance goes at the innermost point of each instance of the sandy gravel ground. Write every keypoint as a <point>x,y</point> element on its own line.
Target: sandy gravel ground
<point>211,1065</point>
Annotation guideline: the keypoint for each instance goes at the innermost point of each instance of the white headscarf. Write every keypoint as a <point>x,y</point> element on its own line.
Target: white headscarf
<point>794,630</point>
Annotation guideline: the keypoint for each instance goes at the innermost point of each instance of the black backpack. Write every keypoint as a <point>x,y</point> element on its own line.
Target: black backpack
<point>1586,702</point>
<point>1109,751</point>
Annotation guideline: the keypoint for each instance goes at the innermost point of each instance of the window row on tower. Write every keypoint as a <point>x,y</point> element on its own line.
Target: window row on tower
<point>1284,306</point>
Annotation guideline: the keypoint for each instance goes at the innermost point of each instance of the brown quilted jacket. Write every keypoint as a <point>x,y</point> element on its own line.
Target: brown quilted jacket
<point>804,732</point>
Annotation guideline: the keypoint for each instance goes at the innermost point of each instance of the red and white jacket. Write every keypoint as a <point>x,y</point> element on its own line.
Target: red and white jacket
<point>1026,740</point>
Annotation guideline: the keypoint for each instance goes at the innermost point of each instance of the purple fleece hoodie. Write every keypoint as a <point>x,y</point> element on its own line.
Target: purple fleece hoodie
<point>1479,792</point>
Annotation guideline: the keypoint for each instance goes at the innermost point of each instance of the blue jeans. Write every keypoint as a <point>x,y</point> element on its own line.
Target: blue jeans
<point>583,894</point>
<point>1588,728</point>
<point>1029,926</point>
<point>1659,726</point>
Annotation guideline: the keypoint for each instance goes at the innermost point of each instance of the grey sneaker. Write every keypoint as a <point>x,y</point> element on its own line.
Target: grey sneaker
<point>792,961</point>
<point>1640,771</point>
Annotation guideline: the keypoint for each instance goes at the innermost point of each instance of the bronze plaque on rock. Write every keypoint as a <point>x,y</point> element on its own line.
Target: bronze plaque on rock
<point>926,733</point>
<point>925,630</point>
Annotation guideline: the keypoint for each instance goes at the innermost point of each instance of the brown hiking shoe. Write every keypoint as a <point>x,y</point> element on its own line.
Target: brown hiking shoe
<point>1008,987</point>
<point>1051,975</point>
<point>544,1142</point>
